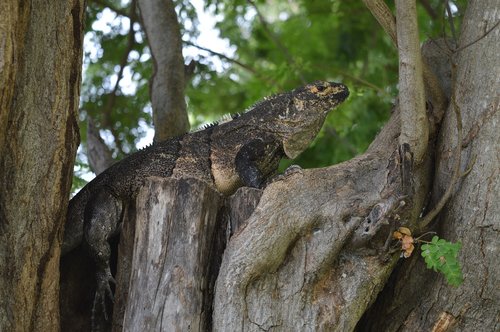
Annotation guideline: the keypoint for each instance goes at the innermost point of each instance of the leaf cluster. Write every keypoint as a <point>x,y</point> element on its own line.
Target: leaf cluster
<point>441,255</point>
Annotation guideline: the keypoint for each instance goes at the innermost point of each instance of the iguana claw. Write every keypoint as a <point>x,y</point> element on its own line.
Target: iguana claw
<point>104,278</point>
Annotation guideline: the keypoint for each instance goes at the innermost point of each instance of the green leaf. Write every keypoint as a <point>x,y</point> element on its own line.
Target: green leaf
<point>441,256</point>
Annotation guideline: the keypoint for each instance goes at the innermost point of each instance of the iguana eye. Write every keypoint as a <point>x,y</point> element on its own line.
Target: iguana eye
<point>318,88</point>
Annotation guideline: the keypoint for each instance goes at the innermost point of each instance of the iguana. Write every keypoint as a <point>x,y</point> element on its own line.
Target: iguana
<point>241,152</point>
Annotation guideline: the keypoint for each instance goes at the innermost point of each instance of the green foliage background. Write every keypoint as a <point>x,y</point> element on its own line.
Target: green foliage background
<point>300,40</point>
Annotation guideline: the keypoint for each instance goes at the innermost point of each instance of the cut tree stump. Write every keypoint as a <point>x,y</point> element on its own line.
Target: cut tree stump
<point>181,228</point>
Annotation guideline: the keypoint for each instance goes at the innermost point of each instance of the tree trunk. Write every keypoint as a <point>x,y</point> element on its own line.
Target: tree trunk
<point>418,299</point>
<point>160,23</point>
<point>181,226</point>
<point>40,70</point>
<point>176,229</point>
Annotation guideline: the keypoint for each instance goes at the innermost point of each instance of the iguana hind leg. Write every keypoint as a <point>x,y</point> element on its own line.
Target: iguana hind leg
<point>102,216</point>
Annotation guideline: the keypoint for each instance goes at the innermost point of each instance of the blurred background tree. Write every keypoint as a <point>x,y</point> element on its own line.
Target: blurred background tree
<point>270,46</point>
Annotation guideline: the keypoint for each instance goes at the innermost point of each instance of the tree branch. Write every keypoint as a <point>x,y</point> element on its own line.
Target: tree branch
<point>222,56</point>
<point>98,152</point>
<point>384,16</point>
<point>428,8</point>
<point>450,21</point>
<point>160,22</point>
<point>425,221</point>
<point>414,124</point>
<point>478,39</point>
<point>356,79</point>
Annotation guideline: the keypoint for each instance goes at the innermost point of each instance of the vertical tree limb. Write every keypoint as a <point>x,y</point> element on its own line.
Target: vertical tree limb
<point>159,21</point>
<point>414,125</point>
<point>386,19</point>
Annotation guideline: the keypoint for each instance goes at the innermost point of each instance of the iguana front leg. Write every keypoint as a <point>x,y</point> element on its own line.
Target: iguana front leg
<point>257,159</point>
<point>102,216</point>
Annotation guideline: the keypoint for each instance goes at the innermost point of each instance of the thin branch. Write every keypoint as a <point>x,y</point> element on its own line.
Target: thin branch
<point>345,142</point>
<point>478,39</point>
<point>277,42</point>
<point>476,126</point>
<point>356,79</point>
<point>362,82</point>
<point>222,56</point>
<point>236,62</point>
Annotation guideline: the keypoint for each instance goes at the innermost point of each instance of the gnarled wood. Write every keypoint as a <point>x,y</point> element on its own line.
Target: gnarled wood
<point>304,267</point>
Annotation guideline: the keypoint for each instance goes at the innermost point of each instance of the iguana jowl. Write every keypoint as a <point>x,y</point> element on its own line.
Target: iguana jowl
<point>241,152</point>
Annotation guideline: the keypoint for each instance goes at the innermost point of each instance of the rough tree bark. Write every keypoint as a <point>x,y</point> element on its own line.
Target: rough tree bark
<point>160,23</point>
<point>472,216</point>
<point>181,225</point>
<point>40,69</point>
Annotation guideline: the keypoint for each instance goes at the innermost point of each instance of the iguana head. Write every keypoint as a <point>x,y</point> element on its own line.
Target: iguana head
<point>307,107</point>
